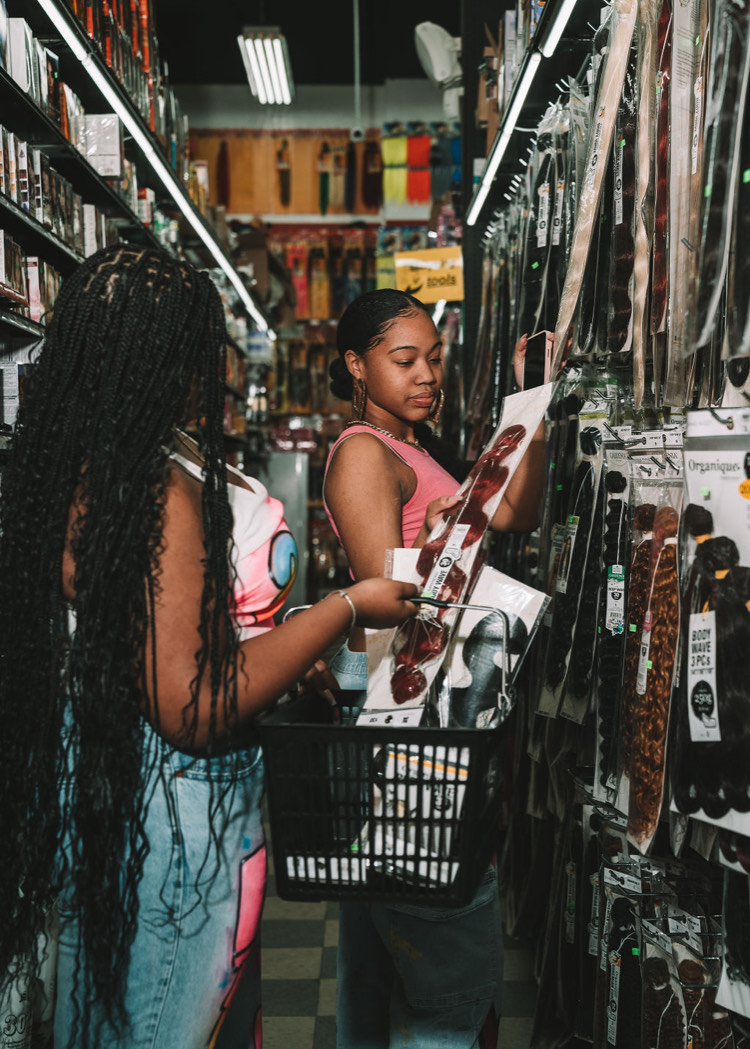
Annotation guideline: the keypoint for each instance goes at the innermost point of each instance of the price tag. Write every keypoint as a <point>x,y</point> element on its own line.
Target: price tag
<point>702,697</point>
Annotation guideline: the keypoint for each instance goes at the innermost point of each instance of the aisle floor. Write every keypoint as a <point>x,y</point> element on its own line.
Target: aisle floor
<point>299,978</point>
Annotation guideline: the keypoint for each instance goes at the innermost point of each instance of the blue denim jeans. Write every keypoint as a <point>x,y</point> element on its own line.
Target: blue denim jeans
<point>414,977</point>
<point>194,975</point>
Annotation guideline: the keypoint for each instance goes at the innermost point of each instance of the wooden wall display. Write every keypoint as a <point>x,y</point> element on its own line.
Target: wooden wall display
<point>277,173</point>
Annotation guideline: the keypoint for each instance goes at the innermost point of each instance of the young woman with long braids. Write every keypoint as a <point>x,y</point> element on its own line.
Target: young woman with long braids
<point>412,975</point>
<point>131,776</point>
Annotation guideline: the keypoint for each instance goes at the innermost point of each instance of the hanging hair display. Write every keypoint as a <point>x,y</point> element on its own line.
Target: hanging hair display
<point>729,65</point>
<point>643,523</point>
<point>661,203</point>
<point>663,1010</point>
<point>614,581</point>
<point>659,635</point>
<point>620,328</point>
<point>624,1003</point>
<point>572,565</point>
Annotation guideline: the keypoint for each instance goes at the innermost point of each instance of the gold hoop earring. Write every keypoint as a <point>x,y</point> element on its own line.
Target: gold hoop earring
<point>437,407</point>
<point>359,398</point>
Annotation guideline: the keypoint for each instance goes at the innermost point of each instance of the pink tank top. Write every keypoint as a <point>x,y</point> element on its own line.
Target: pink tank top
<point>432,481</point>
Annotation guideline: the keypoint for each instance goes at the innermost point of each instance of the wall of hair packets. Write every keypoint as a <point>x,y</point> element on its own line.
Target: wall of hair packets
<point>627,853</point>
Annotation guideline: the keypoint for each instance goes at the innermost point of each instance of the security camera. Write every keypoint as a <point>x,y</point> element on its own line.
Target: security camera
<point>357,134</point>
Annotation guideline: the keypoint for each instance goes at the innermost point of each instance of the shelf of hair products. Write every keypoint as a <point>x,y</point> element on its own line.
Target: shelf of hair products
<point>623,248</point>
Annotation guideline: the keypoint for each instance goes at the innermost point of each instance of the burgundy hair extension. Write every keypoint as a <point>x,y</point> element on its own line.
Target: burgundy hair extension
<point>661,203</point>
<point>640,569</point>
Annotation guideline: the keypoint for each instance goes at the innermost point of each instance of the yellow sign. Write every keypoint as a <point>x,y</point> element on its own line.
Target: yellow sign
<point>432,274</point>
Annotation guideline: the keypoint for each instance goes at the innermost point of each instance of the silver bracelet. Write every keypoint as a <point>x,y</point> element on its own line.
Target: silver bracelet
<point>349,601</point>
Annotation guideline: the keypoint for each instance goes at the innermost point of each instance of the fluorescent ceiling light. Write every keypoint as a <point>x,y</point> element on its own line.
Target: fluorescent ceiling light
<point>158,163</point>
<point>552,38</point>
<point>266,59</point>
<point>501,142</point>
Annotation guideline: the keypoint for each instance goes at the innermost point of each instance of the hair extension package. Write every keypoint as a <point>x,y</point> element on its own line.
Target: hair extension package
<point>574,542</point>
<point>614,581</point>
<point>448,565</point>
<point>712,761</point>
<point>653,617</point>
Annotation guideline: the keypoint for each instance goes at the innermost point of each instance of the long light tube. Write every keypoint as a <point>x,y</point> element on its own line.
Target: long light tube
<point>157,162</point>
<point>281,65</point>
<point>271,60</point>
<point>501,143</point>
<point>252,72</point>
<point>260,54</point>
<point>551,39</point>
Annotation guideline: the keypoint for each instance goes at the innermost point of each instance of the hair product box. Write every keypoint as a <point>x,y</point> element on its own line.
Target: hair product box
<point>20,54</point>
<point>104,145</point>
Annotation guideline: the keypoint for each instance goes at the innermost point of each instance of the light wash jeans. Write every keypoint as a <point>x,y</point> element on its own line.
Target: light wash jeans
<point>194,976</point>
<point>414,977</point>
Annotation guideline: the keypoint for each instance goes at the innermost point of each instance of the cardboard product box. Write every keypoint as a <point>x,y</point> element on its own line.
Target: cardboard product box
<point>32,280</point>
<point>77,205</point>
<point>3,34</point>
<point>65,201</point>
<point>24,177</point>
<point>46,183</point>
<point>51,72</point>
<point>90,230</point>
<point>20,54</point>
<point>4,172</point>
<point>251,256</point>
<point>35,179</point>
<point>145,209</point>
<point>104,145</point>
<point>39,72</point>
<point>72,116</point>
<point>12,190</point>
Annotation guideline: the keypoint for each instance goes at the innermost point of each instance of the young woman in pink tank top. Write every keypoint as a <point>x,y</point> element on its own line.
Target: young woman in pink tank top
<point>415,974</point>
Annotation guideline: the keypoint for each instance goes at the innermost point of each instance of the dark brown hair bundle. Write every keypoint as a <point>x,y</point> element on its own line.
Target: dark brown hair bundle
<point>651,716</point>
<point>663,1017</point>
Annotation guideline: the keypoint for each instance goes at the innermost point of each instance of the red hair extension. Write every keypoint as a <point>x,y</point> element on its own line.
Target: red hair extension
<point>643,522</point>
<point>652,707</point>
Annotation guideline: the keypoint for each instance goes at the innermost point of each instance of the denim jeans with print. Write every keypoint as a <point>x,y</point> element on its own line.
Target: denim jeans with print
<point>194,975</point>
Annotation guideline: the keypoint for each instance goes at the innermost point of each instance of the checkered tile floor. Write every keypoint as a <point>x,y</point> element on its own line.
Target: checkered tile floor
<point>299,978</point>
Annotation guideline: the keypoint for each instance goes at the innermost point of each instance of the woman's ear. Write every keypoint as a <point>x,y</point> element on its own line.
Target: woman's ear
<point>353,363</point>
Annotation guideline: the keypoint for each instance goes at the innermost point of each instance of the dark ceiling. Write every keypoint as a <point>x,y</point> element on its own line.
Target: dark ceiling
<point>198,40</point>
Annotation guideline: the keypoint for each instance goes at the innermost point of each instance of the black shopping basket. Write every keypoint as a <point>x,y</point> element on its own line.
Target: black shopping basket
<point>379,813</point>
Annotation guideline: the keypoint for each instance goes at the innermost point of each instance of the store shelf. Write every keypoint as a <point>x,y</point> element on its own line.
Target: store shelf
<point>21,115</point>
<point>83,67</point>
<point>13,324</point>
<point>236,391</point>
<point>35,238</point>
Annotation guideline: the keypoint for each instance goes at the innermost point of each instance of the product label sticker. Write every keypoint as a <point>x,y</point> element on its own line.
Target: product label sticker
<point>614,620</point>
<point>615,961</point>
<point>451,553</point>
<point>702,696</point>
<point>618,181</point>
<point>603,955</point>
<point>644,663</point>
<point>557,219</point>
<point>566,554</point>
<point>596,143</point>
<point>622,880</point>
<point>542,216</point>
<point>698,96</point>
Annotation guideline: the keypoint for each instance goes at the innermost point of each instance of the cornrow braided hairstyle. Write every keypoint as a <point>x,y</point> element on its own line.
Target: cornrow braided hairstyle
<point>136,346</point>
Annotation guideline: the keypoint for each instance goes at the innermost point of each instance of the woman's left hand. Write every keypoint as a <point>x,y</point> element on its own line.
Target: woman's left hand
<point>437,508</point>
